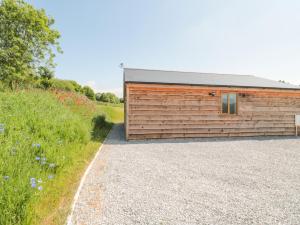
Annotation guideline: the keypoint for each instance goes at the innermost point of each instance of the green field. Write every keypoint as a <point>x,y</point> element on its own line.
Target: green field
<point>47,140</point>
<point>115,112</point>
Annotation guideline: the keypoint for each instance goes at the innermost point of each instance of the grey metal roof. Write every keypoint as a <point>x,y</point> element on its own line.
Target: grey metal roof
<point>209,79</point>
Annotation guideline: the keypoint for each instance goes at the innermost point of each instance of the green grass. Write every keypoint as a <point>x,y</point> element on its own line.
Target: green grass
<point>50,137</point>
<point>111,104</point>
<point>114,112</point>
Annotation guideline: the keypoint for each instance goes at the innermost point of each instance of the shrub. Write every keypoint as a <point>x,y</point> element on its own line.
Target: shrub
<point>77,87</point>
<point>107,97</point>
<point>2,87</point>
<point>89,92</point>
<point>64,85</point>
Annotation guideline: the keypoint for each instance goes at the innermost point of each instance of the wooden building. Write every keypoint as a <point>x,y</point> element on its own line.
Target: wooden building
<point>169,104</point>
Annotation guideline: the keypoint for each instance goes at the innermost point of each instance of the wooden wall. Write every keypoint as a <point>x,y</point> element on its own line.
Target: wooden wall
<point>179,111</point>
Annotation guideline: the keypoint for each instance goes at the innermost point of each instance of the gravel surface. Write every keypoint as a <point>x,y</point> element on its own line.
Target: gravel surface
<point>195,181</point>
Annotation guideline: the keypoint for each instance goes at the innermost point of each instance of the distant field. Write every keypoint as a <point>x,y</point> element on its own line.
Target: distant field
<point>47,140</point>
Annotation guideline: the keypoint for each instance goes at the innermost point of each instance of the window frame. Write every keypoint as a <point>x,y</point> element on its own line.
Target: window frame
<point>228,103</point>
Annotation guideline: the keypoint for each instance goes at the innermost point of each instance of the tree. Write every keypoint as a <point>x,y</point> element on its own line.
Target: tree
<point>89,92</point>
<point>46,73</point>
<point>27,43</point>
<point>107,97</point>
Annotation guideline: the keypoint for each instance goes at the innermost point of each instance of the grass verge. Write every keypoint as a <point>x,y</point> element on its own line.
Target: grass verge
<point>47,140</point>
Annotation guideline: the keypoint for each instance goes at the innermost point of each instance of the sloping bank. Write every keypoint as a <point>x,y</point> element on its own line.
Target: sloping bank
<point>46,142</point>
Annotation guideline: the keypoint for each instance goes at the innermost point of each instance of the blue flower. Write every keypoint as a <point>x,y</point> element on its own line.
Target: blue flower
<point>2,128</point>
<point>40,188</point>
<point>50,177</point>
<point>32,180</point>
<point>36,145</point>
<point>5,177</point>
<point>37,158</point>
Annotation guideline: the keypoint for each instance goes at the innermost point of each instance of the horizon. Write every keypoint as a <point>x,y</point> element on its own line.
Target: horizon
<point>246,38</point>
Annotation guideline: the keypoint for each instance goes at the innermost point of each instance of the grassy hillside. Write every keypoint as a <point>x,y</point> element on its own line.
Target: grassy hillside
<point>47,140</point>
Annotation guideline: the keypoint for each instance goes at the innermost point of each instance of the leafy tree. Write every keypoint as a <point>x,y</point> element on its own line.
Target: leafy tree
<point>107,97</point>
<point>27,43</point>
<point>98,96</point>
<point>46,73</point>
<point>89,92</point>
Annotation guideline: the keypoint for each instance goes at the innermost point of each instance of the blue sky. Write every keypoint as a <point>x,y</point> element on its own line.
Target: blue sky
<point>260,37</point>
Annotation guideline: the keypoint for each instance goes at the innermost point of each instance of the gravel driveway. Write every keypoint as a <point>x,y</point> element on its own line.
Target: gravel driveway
<point>199,181</point>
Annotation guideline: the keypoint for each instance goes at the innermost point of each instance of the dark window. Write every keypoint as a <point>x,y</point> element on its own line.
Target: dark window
<point>232,102</point>
<point>225,103</point>
<point>229,104</point>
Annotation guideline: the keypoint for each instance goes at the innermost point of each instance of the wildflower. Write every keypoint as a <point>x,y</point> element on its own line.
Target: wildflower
<point>32,180</point>
<point>37,158</point>
<point>43,161</point>
<point>36,145</point>
<point>52,165</point>
<point>40,188</point>
<point>5,177</point>
<point>40,180</point>
<point>2,128</point>
<point>50,177</point>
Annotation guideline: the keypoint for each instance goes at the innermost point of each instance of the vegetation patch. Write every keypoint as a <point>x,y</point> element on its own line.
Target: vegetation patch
<point>46,141</point>
<point>49,128</point>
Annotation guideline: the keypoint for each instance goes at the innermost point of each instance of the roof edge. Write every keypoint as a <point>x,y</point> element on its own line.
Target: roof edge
<point>180,71</point>
<point>210,85</point>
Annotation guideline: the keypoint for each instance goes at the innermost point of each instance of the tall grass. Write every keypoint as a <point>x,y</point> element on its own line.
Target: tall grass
<point>39,137</point>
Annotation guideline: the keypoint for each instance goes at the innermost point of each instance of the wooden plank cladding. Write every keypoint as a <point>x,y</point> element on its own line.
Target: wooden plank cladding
<point>185,111</point>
